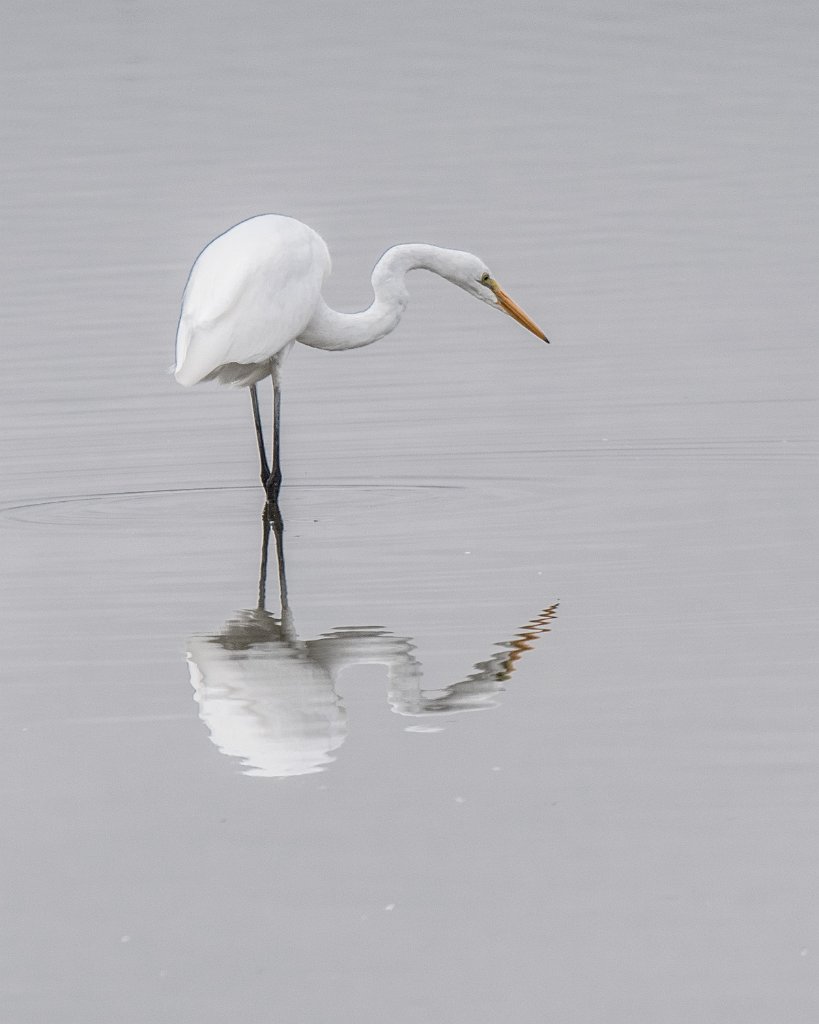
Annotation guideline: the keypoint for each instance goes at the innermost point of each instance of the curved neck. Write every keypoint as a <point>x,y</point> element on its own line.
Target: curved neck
<point>329,329</point>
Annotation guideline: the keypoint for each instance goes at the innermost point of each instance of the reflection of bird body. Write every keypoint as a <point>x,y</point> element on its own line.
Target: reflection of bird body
<point>270,699</point>
<point>266,703</point>
<point>256,289</point>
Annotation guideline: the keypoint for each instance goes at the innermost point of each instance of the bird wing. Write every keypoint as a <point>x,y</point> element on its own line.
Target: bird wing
<point>250,292</point>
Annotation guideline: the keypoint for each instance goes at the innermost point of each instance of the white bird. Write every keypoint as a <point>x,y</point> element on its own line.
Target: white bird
<point>256,289</point>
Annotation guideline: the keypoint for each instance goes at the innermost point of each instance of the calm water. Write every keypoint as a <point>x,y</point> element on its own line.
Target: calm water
<point>537,737</point>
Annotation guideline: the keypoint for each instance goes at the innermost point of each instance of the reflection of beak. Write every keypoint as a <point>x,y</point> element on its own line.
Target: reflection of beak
<point>513,309</point>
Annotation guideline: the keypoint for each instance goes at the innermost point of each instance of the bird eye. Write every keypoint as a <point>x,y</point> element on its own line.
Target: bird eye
<point>486,279</point>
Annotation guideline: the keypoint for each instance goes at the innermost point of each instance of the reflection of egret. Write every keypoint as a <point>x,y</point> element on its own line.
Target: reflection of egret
<point>256,289</point>
<point>270,699</point>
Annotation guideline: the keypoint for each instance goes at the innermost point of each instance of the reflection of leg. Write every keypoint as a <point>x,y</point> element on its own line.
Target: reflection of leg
<point>277,523</point>
<point>254,398</point>
<point>274,480</point>
<point>263,561</point>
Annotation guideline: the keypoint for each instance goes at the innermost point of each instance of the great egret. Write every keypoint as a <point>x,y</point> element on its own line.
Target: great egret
<point>256,289</point>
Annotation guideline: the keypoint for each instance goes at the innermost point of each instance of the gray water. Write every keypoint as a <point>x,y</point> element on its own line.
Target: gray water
<point>537,738</point>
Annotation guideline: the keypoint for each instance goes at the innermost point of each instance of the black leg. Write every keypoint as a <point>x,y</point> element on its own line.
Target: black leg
<point>274,480</point>
<point>254,398</point>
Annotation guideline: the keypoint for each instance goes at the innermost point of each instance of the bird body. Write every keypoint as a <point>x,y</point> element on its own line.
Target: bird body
<point>250,294</point>
<point>256,289</point>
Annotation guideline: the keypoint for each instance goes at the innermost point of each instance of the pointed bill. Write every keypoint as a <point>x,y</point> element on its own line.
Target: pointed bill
<point>513,309</point>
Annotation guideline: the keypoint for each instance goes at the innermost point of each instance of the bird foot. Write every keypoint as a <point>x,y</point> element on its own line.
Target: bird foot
<point>272,486</point>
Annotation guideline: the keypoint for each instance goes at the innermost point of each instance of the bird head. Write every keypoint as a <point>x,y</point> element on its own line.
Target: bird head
<point>472,274</point>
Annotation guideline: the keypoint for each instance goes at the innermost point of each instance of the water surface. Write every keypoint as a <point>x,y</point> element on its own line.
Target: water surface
<point>536,738</point>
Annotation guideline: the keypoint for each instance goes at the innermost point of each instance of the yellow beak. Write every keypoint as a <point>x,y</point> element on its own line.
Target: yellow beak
<point>513,309</point>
